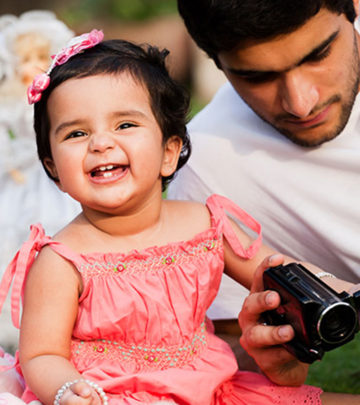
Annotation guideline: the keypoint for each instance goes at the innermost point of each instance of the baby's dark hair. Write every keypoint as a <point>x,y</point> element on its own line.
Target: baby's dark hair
<point>168,99</point>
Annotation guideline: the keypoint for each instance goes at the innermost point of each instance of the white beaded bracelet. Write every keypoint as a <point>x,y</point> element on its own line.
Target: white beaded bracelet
<point>324,274</point>
<point>92,384</point>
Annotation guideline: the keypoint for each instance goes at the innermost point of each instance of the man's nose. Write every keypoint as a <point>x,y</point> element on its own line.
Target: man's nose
<point>299,94</point>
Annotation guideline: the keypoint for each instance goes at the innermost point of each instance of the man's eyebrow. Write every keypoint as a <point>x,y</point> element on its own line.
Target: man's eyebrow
<point>318,49</point>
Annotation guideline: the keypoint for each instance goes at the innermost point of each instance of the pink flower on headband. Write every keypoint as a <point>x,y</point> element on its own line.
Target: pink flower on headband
<point>75,46</point>
<point>40,83</point>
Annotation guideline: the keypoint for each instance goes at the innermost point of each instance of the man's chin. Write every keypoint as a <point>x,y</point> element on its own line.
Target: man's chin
<point>308,140</point>
<point>310,137</point>
<point>321,132</point>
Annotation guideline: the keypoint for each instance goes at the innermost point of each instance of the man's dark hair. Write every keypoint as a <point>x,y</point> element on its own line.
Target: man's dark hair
<point>220,25</point>
<point>146,64</point>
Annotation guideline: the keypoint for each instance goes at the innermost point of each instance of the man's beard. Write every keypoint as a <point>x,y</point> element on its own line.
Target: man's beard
<point>346,108</point>
<point>345,112</point>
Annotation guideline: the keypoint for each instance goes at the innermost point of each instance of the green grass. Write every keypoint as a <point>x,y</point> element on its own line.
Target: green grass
<point>339,370</point>
<point>122,10</point>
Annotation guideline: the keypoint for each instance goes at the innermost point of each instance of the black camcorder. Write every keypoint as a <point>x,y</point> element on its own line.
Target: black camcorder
<point>322,318</point>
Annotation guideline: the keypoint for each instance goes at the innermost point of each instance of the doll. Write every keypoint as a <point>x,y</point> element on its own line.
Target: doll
<point>27,195</point>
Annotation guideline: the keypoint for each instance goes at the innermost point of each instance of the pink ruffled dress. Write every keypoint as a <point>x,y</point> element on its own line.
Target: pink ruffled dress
<point>141,332</point>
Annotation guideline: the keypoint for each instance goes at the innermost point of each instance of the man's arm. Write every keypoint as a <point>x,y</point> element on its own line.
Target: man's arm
<point>188,186</point>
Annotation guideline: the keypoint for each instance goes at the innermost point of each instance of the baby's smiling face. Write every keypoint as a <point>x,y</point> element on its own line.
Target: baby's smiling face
<point>107,146</point>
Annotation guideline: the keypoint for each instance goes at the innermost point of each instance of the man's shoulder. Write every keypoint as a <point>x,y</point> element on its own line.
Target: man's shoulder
<point>227,118</point>
<point>226,104</point>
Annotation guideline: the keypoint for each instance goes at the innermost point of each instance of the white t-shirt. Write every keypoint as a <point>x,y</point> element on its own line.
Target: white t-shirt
<point>306,199</point>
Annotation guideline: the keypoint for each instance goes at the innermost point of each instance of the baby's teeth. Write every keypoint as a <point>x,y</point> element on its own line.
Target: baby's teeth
<point>108,167</point>
<point>108,174</point>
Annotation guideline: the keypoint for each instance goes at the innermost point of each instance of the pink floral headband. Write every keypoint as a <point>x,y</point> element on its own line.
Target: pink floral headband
<point>75,46</point>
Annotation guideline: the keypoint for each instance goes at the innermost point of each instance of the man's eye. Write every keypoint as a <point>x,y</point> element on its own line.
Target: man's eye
<point>317,57</point>
<point>260,77</point>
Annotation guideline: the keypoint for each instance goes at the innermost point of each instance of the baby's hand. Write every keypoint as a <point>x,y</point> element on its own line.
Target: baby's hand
<point>80,393</point>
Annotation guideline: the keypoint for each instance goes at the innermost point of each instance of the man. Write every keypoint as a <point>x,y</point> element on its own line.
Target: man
<point>282,138</point>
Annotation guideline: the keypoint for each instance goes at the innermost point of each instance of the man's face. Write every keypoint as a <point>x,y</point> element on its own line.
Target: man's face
<point>303,83</point>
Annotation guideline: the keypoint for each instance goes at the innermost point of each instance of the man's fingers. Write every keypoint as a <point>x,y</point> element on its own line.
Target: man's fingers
<point>261,336</point>
<point>255,304</point>
<point>270,261</point>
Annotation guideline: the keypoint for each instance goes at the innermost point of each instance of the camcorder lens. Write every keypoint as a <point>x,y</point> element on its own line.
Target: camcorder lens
<point>337,322</point>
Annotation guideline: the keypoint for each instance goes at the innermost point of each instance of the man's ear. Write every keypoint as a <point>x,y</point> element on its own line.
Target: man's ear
<point>172,151</point>
<point>356,7</point>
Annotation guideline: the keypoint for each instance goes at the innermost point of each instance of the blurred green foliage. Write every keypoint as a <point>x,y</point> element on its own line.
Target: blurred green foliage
<point>339,370</point>
<point>133,10</point>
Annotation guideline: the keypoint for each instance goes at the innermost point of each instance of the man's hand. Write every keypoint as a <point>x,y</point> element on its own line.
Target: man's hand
<point>264,342</point>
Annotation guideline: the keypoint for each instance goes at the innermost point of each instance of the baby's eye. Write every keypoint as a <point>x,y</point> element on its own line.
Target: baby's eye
<point>75,134</point>
<point>126,125</point>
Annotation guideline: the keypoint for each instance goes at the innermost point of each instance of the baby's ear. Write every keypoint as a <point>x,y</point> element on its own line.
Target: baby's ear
<point>50,166</point>
<point>172,151</point>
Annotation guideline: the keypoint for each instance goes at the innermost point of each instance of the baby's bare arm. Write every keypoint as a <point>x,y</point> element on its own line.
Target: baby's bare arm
<point>50,310</point>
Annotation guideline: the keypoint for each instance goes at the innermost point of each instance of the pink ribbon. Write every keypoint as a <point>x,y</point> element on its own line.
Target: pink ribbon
<point>221,204</point>
<point>75,46</point>
<point>17,271</point>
